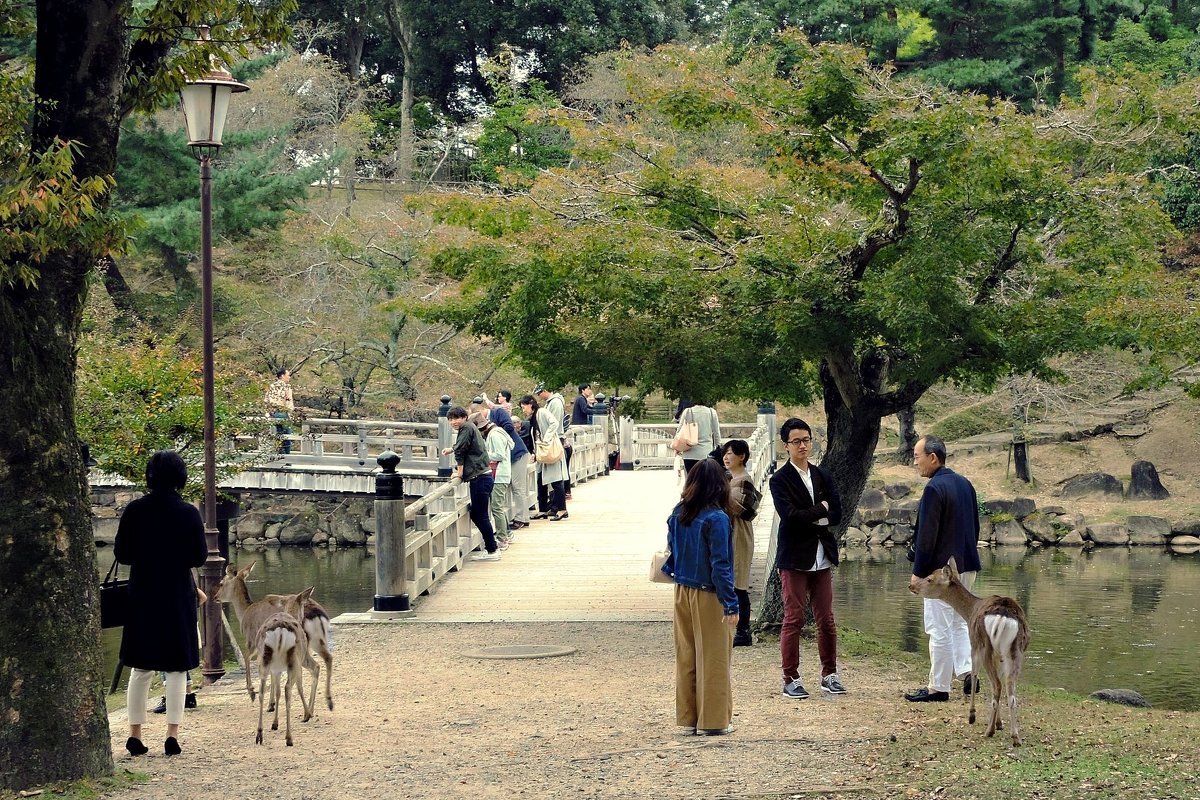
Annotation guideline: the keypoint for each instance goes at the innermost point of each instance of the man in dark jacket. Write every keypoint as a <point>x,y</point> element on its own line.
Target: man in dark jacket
<point>807,504</point>
<point>473,469</point>
<point>947,525</point>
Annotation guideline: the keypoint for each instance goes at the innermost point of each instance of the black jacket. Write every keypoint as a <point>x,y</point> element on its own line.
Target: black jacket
<point>947,525</point>
<point>798,514</point>
<point>161,537</point>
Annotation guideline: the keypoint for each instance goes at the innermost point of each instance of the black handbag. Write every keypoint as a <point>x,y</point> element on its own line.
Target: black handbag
<point>751,499</point>
<point>114,599</point>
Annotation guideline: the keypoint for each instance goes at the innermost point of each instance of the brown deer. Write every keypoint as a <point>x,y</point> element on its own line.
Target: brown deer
<point>999,638</point>
<point>315,620</point>
<point>281,647</point>
<point>253,618</point>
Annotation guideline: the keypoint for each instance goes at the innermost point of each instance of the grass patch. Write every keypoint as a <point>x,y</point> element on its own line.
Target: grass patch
<point>86,789</point>
<point>972,421</point>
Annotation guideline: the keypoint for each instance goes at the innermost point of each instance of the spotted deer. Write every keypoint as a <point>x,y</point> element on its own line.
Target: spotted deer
<point>999,638</point>
<point>315,621</point>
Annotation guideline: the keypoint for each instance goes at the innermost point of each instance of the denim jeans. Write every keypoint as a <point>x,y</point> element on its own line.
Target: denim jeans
<point>282,429</point>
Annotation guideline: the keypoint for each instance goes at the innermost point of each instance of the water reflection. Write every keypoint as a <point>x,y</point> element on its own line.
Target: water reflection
<point>1110,618</point>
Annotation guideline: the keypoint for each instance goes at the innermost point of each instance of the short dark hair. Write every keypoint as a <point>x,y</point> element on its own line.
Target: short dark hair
<point>279,373</point>
<point>166,472</point>
<point>531,401</point>
<point>706,487</point>
<point>506,394</point>
<point>793,424</point>
<point>583,386</point>
<point>935,447</point>
<point>738,447</point>
<point>458,412</point>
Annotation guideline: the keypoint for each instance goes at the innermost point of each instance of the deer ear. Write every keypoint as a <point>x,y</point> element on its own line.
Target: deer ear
<point>950,565</point>
<point>307,593</point>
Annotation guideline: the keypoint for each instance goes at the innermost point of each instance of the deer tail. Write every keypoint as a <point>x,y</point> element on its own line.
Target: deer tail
<point>1002,631</point>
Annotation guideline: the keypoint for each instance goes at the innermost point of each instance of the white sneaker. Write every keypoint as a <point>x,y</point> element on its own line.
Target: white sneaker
<point>486,556</point>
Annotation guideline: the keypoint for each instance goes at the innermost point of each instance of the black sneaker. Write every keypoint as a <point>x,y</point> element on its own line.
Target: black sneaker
<point>161,708</point>
<point>189,701</point>
<point>743,639</point>
<point>794,690</point>
<point>832,684</point>
<point>923,695</point>
<point>970,684</point>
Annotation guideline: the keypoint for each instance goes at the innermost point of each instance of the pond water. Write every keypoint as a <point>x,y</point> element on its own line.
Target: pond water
<point>1109,618</point>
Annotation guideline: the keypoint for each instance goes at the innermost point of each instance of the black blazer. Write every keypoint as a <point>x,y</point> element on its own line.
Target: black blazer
<point>798,514</point>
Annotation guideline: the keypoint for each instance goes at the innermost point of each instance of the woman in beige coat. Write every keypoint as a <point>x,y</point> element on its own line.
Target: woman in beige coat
<point>743,507</point>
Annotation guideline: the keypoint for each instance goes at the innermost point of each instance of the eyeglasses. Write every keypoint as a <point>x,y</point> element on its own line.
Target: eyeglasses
<point>806,441</point>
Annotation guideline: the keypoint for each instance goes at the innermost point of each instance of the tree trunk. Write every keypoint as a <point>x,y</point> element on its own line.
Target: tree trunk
<point>852,436</point>
<point>401,27</point>
<point>53,723</point>
<point>908,434</point>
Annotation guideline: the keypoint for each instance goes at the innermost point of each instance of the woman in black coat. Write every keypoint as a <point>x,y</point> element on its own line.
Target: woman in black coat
<point>161,537</point>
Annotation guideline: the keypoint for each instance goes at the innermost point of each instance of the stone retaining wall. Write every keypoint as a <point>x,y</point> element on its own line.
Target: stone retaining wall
<point>886,515</point>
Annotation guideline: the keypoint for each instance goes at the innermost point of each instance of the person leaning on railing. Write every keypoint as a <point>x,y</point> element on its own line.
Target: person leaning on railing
<point>280,406</point>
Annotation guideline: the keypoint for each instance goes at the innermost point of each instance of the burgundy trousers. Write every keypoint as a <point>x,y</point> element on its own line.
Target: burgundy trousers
<point>799,589</point>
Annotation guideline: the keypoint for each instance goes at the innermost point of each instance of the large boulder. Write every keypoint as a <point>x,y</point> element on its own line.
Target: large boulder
<point>854,536</point>
<point>1092,483</point>
<point>1148,530</point>
<point>1071,539</point>
<point>1184,545</point>
<point>1124,697</point>
<point>300,529</point>
<point>999,507</point>
<point>901,533</point>
<point>1189,527</point>
<point>872,516</point>
<point>348,531</point>
<point>1108,533</point>
<point>1022,507</point>
<point>1144,483</point>
<point>1008,532</point>
<point>1041,528</point>
<point>895,491</point>
<point>898,515</point>
<point>872,498</point>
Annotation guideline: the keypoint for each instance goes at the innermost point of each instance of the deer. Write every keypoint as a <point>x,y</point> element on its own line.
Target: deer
<point>253,618</point>
<point>999,638</point>
<point>281,647</point>
<point>315,621</point>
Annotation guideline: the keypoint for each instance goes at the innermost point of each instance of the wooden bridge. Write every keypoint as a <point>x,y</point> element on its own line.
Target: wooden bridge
<point>593,565</point>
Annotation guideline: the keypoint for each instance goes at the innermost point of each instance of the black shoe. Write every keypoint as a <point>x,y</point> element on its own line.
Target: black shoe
<point>171,747</point>
<point>161,708</point>
<point>971,684</point>
<point>742,639</point>
<point>190,700</point>
<point>923,695</point>
<point>135,746</point>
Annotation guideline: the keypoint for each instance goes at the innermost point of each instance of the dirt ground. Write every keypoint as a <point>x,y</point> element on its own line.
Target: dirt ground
<point>415,717</point>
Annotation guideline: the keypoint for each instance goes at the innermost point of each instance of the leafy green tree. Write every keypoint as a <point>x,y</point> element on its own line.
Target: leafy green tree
<point>95,61</point>
<point>800,223</point>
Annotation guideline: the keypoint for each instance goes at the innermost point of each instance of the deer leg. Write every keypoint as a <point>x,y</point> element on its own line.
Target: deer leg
<point>262,693</point>
<point>276,680</point>
<point>249,686</point>
<point>327,657</point>
<point>314,670</point>
<point>300,688</point>
<point>287,702</point>
<point>1010,680</point>
<point>994,680</point>
<point>976,660</point>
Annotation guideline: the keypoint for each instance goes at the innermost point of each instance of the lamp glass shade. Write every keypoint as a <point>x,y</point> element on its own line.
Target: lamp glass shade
<point>205,105</point>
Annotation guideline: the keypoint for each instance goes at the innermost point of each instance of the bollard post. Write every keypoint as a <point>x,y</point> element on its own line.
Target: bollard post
<point>391,570</point>
<point>626,446</point>
<point>445,439</point>
<point>766,418</point>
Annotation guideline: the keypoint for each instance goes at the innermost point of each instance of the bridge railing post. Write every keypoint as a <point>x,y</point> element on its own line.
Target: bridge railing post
<point>766,421</point>
<point>391,567</point>
<point>445,439</point>
<point>626,445</point>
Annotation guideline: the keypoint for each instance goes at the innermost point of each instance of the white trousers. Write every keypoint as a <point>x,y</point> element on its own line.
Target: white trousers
<point>518,490</point>
<point>949,640</point>
<point>137,694</point>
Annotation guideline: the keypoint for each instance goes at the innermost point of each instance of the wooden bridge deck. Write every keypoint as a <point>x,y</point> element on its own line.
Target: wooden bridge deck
<point>592,566</point>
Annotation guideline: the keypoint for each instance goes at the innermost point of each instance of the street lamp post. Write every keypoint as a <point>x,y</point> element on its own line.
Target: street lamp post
<point>205,105</point>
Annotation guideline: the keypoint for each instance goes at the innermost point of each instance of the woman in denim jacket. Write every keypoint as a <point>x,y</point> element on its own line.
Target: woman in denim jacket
<point>706,608</point>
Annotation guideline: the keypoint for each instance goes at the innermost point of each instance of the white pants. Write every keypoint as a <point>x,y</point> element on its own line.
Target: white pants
<point>518,490</point>
<point>137,694</point>
<point>949,640</point>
